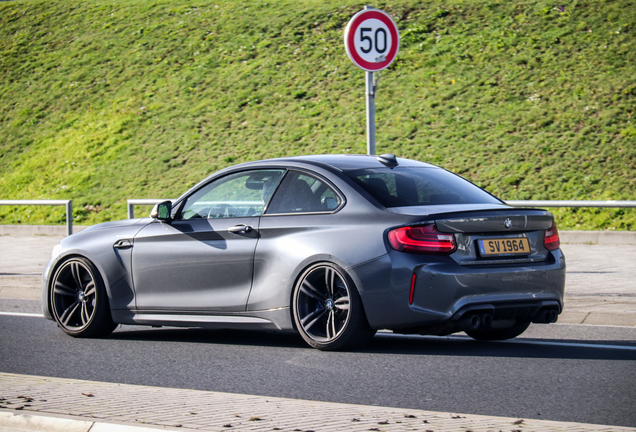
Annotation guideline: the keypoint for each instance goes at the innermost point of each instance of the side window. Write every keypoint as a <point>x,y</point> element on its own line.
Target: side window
<point>241,194</point>
<point>303,193</point>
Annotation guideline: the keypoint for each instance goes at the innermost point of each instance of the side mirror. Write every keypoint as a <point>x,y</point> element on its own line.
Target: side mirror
<point>161,211</point>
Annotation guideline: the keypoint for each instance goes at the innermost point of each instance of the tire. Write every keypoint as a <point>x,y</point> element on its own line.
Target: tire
<point>78,300</point>
<point>499,334</point>
<point>328,311</point>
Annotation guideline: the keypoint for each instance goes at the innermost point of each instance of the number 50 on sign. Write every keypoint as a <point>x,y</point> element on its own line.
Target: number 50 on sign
<point>372,40</point>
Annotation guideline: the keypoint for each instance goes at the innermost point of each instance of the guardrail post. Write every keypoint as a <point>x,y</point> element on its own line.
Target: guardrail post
<point>69,217</point>
<point>131,210</point>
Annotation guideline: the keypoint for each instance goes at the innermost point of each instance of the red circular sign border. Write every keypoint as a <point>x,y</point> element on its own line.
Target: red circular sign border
<point>350,35</point>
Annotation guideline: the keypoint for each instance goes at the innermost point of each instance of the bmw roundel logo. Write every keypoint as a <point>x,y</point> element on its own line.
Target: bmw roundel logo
<point>508,223</point>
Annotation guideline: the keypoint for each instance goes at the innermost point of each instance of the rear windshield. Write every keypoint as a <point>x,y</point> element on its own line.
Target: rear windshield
<point>402,186</point>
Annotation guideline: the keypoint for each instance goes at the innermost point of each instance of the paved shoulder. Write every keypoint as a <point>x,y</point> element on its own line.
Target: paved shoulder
<point>600,284</point>
<point>34,403</point>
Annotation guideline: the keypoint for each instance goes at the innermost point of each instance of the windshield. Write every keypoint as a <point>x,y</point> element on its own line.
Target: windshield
<point>402,186</point>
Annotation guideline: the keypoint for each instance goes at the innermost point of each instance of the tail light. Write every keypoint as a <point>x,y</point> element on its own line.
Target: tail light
<point>551,240</point>
<point>423,239</point>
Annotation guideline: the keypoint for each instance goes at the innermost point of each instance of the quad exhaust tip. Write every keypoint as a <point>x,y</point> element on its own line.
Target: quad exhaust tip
<point>484,320</point>
<point>474,322</point>
<point>547,316</point>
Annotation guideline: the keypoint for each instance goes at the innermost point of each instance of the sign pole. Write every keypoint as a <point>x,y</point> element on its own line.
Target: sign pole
<point>372,41</point>
<point>370,113</point>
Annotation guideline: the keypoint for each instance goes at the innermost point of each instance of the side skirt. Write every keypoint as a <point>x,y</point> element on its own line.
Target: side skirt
<point>276,319</point>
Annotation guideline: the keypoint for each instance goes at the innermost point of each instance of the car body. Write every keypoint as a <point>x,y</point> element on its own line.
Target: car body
<point>335,247</point>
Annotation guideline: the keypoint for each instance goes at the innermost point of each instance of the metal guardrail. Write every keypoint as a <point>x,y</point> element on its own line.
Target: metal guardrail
<point>67,203</point>
<point>557,203</point>
<point>516,203</point>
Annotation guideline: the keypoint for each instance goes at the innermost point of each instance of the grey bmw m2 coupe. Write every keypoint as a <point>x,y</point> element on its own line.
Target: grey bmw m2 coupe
<point>334,247</point>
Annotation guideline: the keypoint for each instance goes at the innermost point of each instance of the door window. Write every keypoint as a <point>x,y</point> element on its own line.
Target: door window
<point>242,194</point>
<point>303,193</point>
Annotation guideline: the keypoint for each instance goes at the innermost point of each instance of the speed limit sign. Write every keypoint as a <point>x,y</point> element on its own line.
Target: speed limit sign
<point>372,40</point>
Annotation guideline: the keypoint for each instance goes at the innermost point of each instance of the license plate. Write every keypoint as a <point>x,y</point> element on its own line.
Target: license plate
<point>504,247</point>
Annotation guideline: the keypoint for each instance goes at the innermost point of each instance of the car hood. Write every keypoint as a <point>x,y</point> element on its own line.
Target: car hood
<point>118,224</point>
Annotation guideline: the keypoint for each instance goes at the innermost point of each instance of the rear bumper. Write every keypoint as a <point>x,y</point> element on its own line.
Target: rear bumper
<point>445,292</point>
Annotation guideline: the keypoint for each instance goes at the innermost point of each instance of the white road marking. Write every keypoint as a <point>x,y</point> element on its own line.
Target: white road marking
<point>23,314</point>
<point>458,338</point>
<point>594,325</point>
<point>573,344</point>
<point>524,342</point>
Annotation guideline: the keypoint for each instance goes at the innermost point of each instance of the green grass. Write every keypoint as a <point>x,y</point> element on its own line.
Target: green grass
<point>102,101</point>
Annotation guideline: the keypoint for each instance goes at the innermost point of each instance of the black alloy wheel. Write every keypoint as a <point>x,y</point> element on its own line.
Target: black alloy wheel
<point>328,311</point>
<point>78,299</point>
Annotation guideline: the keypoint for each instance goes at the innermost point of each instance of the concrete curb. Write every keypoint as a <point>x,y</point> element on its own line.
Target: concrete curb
<point>33,422</point>
<point>572,237</point>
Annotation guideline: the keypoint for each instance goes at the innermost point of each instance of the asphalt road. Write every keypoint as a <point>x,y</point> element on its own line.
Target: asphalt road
<point>556,372</point>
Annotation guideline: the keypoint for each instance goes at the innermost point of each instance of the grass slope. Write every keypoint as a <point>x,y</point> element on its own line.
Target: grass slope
<point>102,101</point>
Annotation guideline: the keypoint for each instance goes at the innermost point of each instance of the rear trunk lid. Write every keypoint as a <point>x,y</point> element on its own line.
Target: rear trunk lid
<point>496,235</point>
<point>496,222</point>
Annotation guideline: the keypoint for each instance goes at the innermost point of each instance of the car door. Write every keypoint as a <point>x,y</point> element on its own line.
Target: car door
<point>203,259</point>
<point>298,224</point>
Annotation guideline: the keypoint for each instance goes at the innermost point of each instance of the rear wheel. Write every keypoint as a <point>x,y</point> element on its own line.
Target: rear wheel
<point>328,311</point>
<point>499,334</point>
<point>78,299</point>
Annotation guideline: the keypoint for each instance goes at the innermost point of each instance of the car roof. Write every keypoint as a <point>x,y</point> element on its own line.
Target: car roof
<point>330,162</point>
<point>348,162</point>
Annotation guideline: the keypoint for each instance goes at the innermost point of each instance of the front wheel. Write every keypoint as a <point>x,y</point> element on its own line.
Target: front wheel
<point>78,299</point>
<point>499,334</point>
<point>328,311</point>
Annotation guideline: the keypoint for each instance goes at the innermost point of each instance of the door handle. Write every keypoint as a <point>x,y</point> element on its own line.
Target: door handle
<point>123,244</point>
<point>240,229</point>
